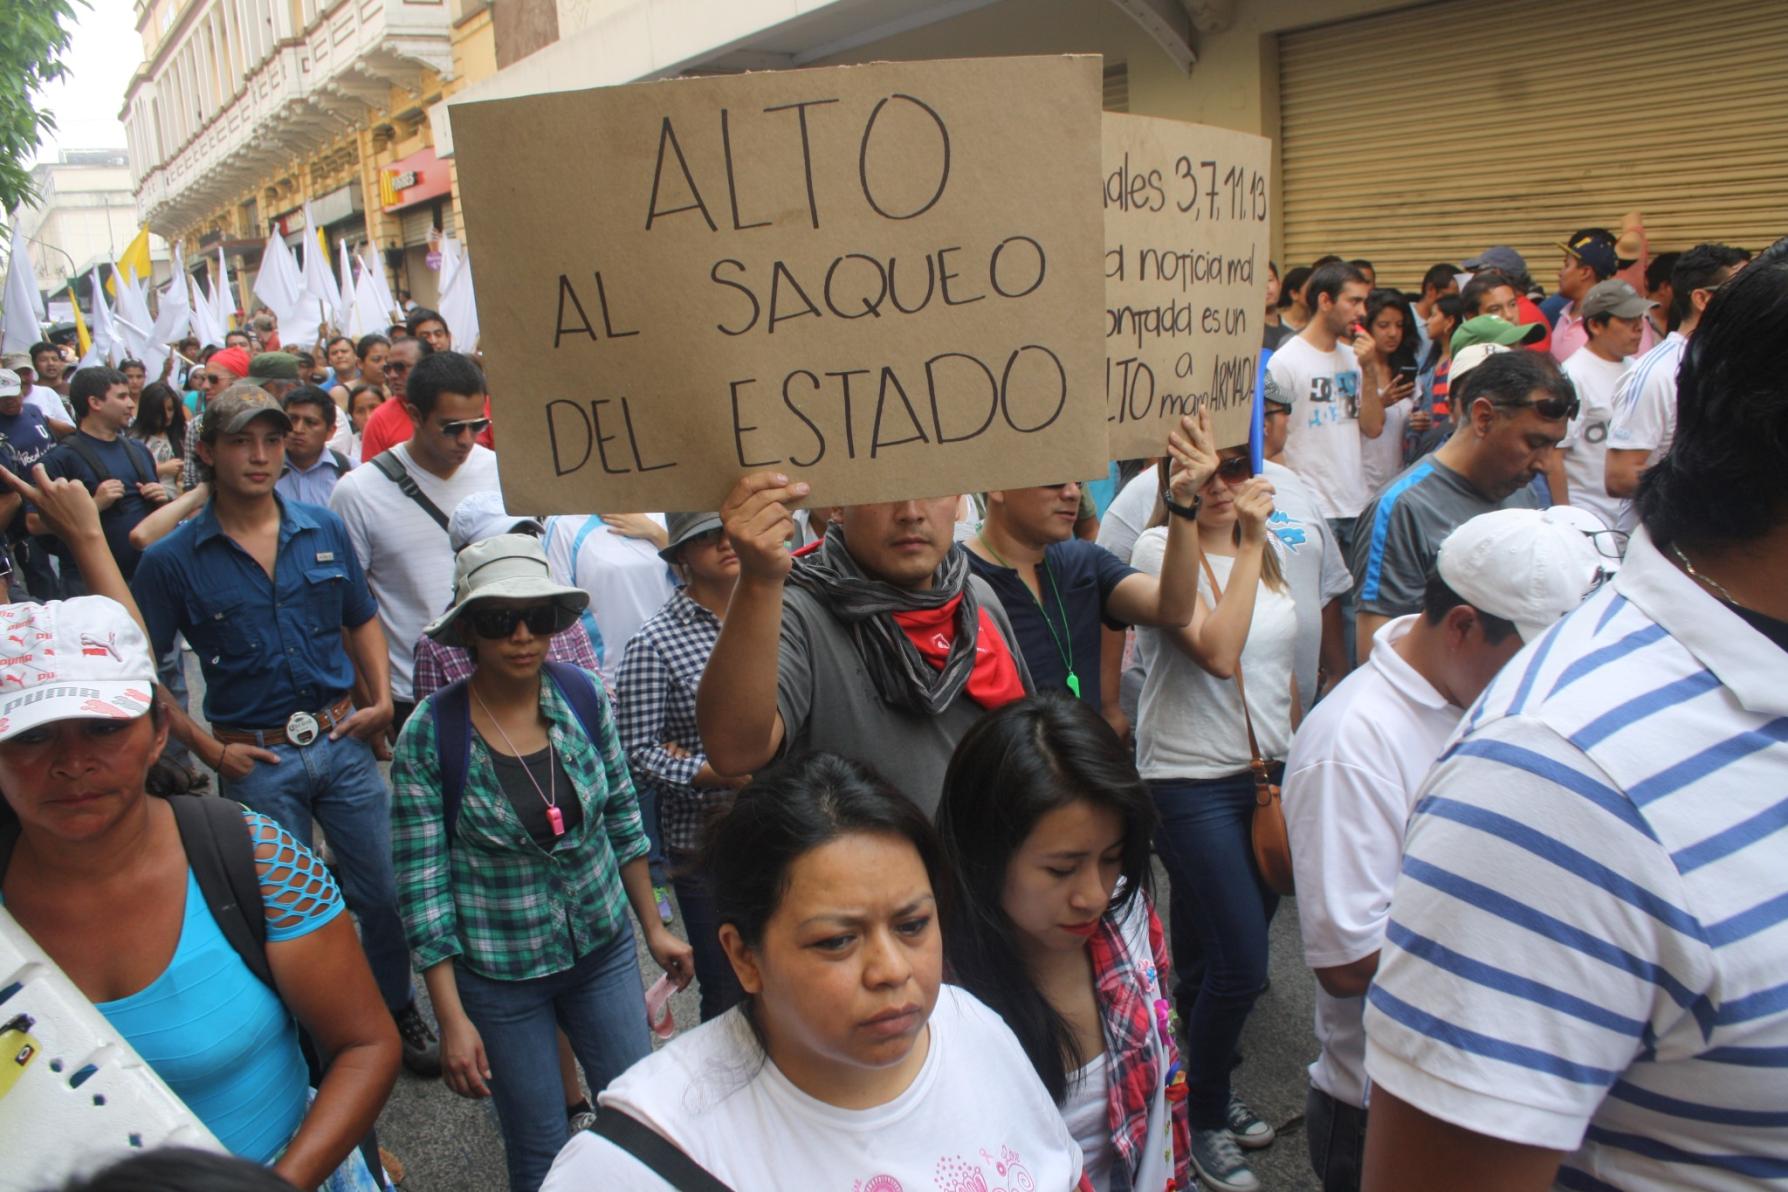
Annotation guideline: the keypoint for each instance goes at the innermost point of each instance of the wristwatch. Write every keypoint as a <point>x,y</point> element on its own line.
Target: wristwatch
<point>1186,511</point>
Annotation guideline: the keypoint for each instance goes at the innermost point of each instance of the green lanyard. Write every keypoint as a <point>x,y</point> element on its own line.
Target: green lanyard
<point>1064,641</point>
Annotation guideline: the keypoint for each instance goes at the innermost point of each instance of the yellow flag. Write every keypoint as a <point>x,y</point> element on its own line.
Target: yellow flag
<point>80,323</point>
<point>135,259</point>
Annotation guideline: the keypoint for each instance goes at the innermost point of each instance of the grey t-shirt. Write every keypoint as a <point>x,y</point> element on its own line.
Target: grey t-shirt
<point>828,701</point>
<point>1398,535</point>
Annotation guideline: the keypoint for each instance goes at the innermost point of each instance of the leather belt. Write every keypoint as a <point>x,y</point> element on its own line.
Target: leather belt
<point>300,728</point>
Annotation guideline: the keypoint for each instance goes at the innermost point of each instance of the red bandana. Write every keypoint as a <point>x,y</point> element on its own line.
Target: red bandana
<point>994,680</point>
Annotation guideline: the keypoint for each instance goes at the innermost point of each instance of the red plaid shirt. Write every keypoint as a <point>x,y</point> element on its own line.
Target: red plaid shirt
<point>1134,1014</point>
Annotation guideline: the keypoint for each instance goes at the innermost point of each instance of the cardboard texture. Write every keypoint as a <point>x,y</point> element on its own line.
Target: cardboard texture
<point>880,279</point>
<point>1187,229</point>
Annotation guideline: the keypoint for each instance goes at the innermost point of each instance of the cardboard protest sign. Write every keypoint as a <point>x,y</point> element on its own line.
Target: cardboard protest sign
<point>1186,243</point>
<point>880,279</point>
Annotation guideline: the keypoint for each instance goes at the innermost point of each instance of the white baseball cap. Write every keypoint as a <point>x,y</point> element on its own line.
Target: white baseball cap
<point>1469,357</point>
<point>10,385</point>
<point>1520,565</point>
<point>79,659</point>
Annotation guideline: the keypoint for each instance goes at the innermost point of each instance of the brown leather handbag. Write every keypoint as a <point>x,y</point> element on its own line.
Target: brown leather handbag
<point>1271,841</point>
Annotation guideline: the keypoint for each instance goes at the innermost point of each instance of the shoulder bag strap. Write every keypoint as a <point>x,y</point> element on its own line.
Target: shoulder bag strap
<point>578,687</point>
<point>222,855</point>
<point>451,708</point>
<point>1241,689</point>
<point>394,470</point>
<point>655,1151</point>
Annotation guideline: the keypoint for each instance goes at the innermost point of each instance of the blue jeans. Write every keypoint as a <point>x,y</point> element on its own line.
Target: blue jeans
<point>170,668</point>
<point>1337,1139</point>
<point>1203,840</point>
<point>600,1004</point>
<point>714,976</point>
<point>1341,529</point>
<point>338,783</point>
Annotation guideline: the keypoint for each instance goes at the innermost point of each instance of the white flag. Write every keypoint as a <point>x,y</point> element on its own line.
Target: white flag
<point>280,288</point>
<point>323,295</point>
<point>344,289</point>
<point>104,348</point>
<point>22,324</point>
<point>223,296</point>
<point>459,306</point>
<point>387,309</point>
<point>135,324</point>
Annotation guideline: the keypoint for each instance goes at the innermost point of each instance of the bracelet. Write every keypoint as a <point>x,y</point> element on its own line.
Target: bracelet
<point>225,752</point>
<point>1188,512</point>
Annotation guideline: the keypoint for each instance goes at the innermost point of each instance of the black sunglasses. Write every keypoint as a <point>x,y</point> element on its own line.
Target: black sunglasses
<point>542,620</point>
<point>1236,467</point>
<point>454,430</point>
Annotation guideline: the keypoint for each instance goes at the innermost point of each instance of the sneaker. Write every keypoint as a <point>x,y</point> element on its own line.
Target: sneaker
<point>1249,1129</point>
<point>662,895</point>
<point>394,1168</point>
<point>422,1052</point>
<point>1219,1164</point>
<point>579,1117</point>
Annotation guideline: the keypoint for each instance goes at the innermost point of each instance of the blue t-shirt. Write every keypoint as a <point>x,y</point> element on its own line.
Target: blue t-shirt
<point>1084,575</point>
<point>28,433</point>
<point>124,459</point>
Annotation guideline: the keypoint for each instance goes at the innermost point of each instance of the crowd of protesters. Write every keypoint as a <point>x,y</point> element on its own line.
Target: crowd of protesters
<point>1478,648</point>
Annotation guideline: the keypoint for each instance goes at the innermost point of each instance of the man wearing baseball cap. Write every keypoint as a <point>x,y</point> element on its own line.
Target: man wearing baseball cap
<point>1501,580</point>
<point>44,400</point>
<point>1615,316</point>
<point>221,371</point>
<point>276,606</point>
<point>1512,409</point>
<point>1589,260</point>
<point>1512,266</point>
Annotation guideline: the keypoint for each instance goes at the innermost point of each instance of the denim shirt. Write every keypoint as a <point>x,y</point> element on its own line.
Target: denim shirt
<point>268,647</point>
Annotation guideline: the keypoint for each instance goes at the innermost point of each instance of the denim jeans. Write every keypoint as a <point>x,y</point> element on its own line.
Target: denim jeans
<point>1337,1137</point>
<point>1203,840</point>
<point>600,1004</point>
<point>1341,529</point>
<point>714,976</point>
<point>170,668</point>
<point>338,783</point>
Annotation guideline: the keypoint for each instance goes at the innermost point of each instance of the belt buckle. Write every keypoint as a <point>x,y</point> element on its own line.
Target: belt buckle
<point>302,728</point>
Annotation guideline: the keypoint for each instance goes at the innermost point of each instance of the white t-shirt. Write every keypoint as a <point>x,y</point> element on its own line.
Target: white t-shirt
<point>1382,458</point>
<point>49,403</point>
<point>1585,444</point>
<point>1128,514</point>
<point>1086,1112</point>
<point>1313,566</point>
<point>405,552</point>
<point>1350,785</point>
<point>625,578</point>
<point>1323,446</point>
<point>1190,723</point>
<point>975,1116</point>
<point>1645,408</point>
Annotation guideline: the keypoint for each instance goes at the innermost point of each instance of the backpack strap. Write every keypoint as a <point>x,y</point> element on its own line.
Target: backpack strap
<point>138,451</point>
<point>341,461</point>
<point>578,688</point>
<point>451,709</point>
<point>222,855</point>
<point>393,468</point>
<point>664,1157</point>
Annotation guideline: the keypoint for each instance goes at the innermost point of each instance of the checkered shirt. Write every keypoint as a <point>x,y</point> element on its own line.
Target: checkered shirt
<point>656,686</point>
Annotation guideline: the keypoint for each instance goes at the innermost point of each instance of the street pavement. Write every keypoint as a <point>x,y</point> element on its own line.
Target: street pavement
<point>450,1144</point>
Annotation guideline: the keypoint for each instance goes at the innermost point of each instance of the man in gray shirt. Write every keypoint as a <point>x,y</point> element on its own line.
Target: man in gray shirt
<point>1512,409</point>
<point>878,645</point>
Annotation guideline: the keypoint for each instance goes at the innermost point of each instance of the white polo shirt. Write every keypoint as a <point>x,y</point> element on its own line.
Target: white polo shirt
<point>1645,409</point>
<point>1349,786</point>
<point>1588,944</point>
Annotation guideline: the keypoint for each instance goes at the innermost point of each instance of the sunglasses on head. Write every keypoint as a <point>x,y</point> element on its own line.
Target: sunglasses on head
<point>454,430</point>
<point>1552,408</point>
<point>542,620</point>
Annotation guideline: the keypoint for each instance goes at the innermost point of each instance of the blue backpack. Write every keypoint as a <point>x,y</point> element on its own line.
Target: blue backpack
<point>451,709</point>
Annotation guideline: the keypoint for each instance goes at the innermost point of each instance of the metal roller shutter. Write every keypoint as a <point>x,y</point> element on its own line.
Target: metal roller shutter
<point>416,223</point>
<point>1430,133</point>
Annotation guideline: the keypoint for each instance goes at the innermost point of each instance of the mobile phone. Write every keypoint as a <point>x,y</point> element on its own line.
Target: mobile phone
<point>1407,372</point>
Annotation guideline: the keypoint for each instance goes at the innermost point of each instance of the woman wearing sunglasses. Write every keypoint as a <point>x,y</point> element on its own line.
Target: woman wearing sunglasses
<point>518,845</point>
<point>1195,748</point>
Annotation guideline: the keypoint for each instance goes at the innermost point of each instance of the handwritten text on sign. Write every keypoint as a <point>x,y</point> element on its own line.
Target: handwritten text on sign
<point>1186,230</point>
<point>879,278</point>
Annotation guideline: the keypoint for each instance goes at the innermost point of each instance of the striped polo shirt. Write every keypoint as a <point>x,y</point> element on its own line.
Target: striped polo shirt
<point>1588,944</point>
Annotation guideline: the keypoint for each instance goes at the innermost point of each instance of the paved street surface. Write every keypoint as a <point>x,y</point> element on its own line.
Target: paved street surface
<point>450,1144</point>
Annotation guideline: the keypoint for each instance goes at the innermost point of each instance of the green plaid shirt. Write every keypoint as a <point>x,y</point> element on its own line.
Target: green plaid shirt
<point>509,909</point>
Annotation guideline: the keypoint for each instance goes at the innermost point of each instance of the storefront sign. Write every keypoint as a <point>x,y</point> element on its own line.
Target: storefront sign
<point>414,179</point>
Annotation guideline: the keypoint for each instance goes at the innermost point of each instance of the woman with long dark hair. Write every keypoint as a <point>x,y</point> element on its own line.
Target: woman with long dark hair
<point>1390,365</point>
<point>850,1063</point>
<point>1048,827</point>
<point>161,426</point>
<point>1194,748</point>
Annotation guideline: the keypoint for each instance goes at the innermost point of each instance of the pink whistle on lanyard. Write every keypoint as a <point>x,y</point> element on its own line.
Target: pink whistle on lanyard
<point>658,1008</point>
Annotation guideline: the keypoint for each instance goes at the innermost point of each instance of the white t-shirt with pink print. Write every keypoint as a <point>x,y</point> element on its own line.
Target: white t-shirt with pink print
<point>975,1119</point>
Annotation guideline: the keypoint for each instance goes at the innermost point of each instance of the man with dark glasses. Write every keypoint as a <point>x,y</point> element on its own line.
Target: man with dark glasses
<point>396,505</point>
<point>275,604</point>
<point>1512,408</point>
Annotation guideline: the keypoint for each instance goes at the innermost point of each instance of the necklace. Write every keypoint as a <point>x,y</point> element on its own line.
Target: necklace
<point>1712,585</point>
<point>1065,651</point>
<point>555,819</point>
